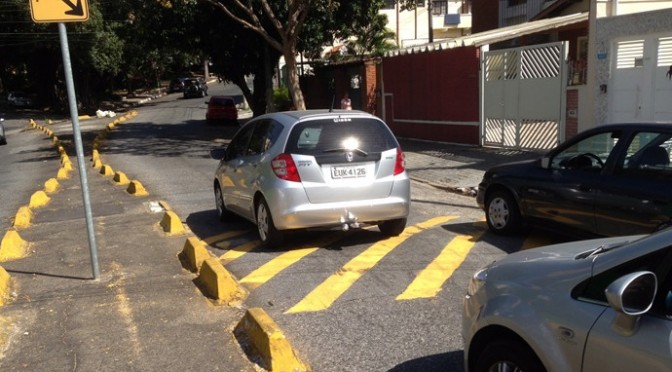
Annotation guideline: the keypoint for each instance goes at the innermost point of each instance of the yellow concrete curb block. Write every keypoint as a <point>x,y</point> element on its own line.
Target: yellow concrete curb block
<point>106,170</point>
<point>164,204</point>
<point>110,126</point>
<point>121,179</point>
<point>136,188</point>
<point>95,155</point>
<point>194,253</point>
<point>54,139</point>
<point>65,159</point>
<point>266,338</point>
<point>12,246</point>
<point>23,218</point>
<point>63,174</point>
<point>61,151</point>
<point>97,164</point>
<point>67,165</point>
<point>51,186</point>
<point>5,287</point>
<point>39,199</point>
<point>217,283</point>
<point>171,223</point>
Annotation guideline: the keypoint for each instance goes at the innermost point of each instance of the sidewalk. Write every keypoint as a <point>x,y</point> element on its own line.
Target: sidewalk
<point>143,314</point>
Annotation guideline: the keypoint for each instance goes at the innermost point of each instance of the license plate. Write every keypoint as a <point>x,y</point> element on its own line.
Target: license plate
<point>348,172</point>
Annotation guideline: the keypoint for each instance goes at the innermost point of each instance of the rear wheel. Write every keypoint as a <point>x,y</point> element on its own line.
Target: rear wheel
<point>268,235</point>
<point>508,355</point>
<point>502,213</point>
<point>392,227</point>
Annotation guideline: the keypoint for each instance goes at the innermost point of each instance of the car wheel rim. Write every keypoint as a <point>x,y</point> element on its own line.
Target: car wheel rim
<point>498,213</point>
<point>504,367</point>
<point>262,222</point>
<point>219,201</point>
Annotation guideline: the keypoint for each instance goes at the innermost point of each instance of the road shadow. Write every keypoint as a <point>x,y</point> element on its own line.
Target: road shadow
<point>451,361</point>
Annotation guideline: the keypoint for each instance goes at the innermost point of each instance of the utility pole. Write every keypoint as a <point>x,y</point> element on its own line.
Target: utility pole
<point>429,21</point>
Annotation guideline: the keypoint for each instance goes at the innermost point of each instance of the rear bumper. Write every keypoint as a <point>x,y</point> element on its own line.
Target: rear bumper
<point>291,209</point>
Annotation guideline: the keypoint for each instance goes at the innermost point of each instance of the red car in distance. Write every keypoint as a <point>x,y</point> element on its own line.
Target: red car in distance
<point>222,109</point>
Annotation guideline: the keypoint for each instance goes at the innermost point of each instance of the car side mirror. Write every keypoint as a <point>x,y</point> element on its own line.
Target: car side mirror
<point>630,296</point>
<point>218,153</point>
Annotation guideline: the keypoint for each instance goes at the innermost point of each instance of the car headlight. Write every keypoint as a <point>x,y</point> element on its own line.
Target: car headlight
<point>477,281</point>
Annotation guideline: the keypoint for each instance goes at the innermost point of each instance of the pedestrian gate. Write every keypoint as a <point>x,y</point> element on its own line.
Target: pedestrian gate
<point>523,96</point>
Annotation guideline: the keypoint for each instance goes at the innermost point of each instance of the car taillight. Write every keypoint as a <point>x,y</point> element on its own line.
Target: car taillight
<point>284,167</point>
<point>400,163</point>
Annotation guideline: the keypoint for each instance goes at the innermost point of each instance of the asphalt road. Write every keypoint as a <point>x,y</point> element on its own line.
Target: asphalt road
<point>346,301</point>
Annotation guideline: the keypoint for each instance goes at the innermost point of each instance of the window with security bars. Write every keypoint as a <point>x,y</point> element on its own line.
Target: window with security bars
<point>664,52</point>
<point>630,54</point>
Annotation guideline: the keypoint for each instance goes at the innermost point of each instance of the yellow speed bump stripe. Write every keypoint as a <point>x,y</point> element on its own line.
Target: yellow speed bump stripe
<point>324,295</point>
<point>258,331</point>
<point>239,251</point>
<point>430,280</point>
<point>275,266</point>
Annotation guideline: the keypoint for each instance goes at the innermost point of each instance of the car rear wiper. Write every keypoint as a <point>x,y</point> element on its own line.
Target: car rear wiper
<point>343,149</point>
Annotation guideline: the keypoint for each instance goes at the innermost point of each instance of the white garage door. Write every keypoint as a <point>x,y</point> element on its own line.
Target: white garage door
<point>641,87</point>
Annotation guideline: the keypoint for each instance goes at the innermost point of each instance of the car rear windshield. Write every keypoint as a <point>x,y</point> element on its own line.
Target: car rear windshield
<point>321,136</point>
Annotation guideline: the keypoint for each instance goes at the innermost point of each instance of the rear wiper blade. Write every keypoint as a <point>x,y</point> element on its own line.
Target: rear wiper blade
<point>343,149</point>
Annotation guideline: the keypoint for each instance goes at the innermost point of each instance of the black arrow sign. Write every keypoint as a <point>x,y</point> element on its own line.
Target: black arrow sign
<point>75,10</point>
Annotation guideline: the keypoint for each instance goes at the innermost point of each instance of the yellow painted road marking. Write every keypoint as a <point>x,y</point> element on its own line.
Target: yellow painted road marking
<point>430,280</point>
<point>237,252</point>
<point>275,266</point>
<point>324,295</point>
<point>223,236</point>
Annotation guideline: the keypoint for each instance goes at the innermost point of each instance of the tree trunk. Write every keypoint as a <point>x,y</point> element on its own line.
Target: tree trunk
<point>293,77</point>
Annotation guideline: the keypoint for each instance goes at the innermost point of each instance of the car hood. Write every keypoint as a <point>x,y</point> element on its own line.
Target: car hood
<point>516,166</point>
<point>552,265</point>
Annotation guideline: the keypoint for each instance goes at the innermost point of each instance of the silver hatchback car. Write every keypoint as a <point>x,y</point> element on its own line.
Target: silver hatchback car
<point>314,169</point>
<point>592,305</point>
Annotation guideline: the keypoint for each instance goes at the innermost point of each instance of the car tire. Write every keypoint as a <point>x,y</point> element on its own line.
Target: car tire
<point>269,236</point>
<point>502,213</point>
<point>392,227</point>
<point>223,213</point>
<point>507,355</point>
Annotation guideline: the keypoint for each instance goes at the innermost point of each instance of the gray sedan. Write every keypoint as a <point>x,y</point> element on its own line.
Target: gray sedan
<point>314,170</point>
<point>593,305</point>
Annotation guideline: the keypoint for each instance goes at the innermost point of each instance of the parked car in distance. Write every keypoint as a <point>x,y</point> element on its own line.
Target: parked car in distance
<point>592,305</point>
<point>177,84</point>
<point>195,88</point>
<point>222,108</point>
<point>21,99</point>
<point>607,181</point>
<point>3,136</point>
<point>314,169</point>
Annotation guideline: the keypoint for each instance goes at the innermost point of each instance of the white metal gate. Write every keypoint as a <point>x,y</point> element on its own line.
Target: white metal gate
<point>523,96</point>
<point>641,85</point>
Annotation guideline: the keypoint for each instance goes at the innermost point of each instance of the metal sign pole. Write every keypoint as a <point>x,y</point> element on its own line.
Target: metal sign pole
<point>72,100</point>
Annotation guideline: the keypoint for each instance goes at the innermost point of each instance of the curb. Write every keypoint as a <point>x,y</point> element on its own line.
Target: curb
<point>263,335</point>
<point>5,290</point>
<point>217,283</point>
<point>171,223</point>
<point>12,246</point>
<point>193,254</point>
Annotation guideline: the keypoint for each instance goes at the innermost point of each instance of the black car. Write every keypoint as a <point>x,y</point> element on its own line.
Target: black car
<point>177,85</point>
<point>195,88</point>
<point>607,181</point>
